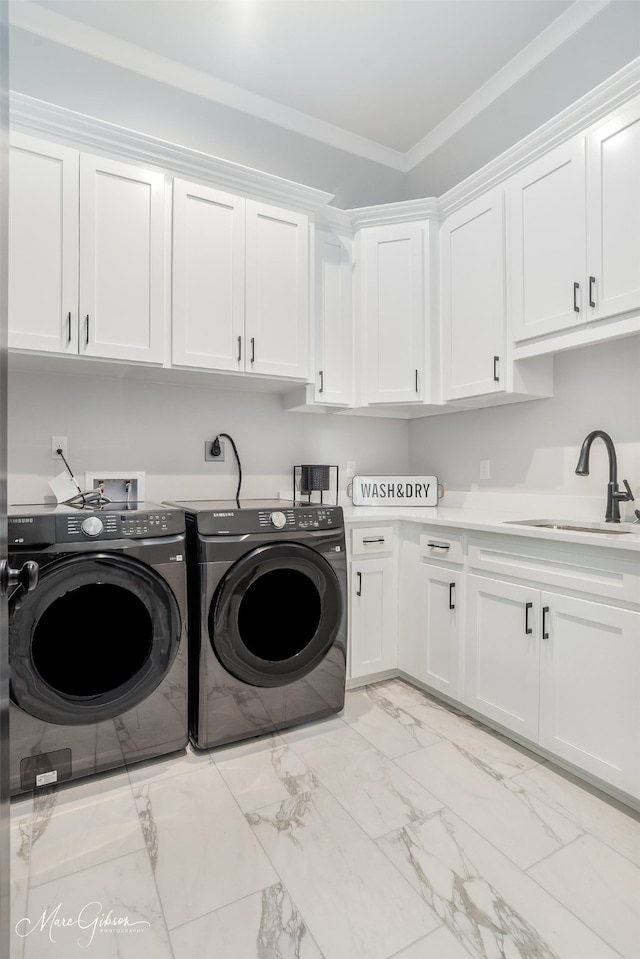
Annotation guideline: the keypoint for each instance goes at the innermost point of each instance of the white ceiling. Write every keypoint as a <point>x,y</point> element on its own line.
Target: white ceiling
<point>386,79</point>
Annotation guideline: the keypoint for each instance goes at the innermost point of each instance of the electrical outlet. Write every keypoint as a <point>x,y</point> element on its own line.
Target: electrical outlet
<point>208,455</point>
<point>58,443</point>
<point>485,469</point>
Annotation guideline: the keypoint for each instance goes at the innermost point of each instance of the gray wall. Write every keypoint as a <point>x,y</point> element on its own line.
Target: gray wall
<point>534,446</point>
<point>132,424</point>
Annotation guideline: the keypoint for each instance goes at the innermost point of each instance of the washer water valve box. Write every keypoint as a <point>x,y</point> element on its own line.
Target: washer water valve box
<point>119,486</point>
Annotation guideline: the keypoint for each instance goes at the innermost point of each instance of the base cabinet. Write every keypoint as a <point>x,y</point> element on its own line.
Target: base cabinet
<point>559,670</point>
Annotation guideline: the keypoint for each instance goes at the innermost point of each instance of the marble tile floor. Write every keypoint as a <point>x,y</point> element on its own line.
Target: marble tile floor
<point>397,829</point>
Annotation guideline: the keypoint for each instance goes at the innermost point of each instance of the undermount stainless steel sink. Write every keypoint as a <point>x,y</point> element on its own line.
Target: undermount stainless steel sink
<point>576,527</point>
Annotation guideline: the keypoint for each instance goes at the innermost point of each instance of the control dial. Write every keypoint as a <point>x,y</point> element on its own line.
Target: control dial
<point>278,519</point>
<point>92,526</point>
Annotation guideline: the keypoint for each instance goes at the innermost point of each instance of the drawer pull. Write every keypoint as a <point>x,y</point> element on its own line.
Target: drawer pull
<point>527,625</point>
<point>359,589</point>
<point>452,586</point>
<point>545,631</point>
<point>439,545</point>
<point>367,540</point>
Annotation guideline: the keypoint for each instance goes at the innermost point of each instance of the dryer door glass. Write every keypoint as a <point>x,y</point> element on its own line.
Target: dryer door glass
<point>275,615</point>
<point>95,639</point>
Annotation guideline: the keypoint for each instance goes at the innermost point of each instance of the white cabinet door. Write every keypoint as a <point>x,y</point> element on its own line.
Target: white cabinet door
<point>393,312</point>
<point>43,246</point>
<point>333,381</point>
<point>277,291</point>
<point>121,262</point>
<point>589,681</point>
<point>372,639</point>
<point>208,278</point>
<point>613,214</point>
<point>548,243</point>
<point>440,618</point>
<point>503,653</point>
<point>472,247</point>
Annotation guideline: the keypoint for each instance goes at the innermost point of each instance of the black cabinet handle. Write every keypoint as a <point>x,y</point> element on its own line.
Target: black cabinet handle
<point>527,626</point>
<point>545,631</point>
<point>321,390</point>
<point>253,349</point>
<point>372,539</point>
<point>69,326</point>
<point>87,333</point>
<point>239,349</point>
<point>592,281</point>
<point>576,287</point>
<point>359,589</point>
<point>439,545</point>
<point>417,390</point>
<point>452,586</point>
<point>496,376</point>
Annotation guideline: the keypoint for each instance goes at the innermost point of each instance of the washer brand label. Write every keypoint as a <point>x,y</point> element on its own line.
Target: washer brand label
<point>176,559</point>
<point>222,514</point>
<point>20,519</point>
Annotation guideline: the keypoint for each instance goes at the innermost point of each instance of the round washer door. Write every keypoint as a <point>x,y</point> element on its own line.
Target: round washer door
<point>275,614</point>
<point>95,638</point>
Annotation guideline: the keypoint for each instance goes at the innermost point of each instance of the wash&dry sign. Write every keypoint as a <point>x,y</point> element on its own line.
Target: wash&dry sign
<point>395,491</point>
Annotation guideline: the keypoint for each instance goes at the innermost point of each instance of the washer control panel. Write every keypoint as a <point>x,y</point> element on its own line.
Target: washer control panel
<point>275,517</point>
<point>43,525</point>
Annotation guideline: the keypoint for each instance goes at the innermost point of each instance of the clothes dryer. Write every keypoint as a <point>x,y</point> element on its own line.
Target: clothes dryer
<point>267,616</point>
<point>98,650</point>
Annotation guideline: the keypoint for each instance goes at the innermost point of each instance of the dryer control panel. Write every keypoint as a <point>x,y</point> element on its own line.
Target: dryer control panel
<point>216,518</point>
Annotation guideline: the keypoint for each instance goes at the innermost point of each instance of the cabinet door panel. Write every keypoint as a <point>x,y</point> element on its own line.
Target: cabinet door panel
<point>613,213</point>
<point>43,246</point>
<point>473,298</point>
<point>333,320</point>
<point>589,681</point>
<point>208,278</point>
<point>121,288</point>
<point>373,612</point>
<point>501,673</point>
<point>394,312</point>
<point>277,291</point>
<point>548,243</point>
<point>440,616</point>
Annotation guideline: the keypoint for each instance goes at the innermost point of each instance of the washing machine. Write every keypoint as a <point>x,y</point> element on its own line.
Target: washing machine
<point>98,649</point>
<point>267,616</point>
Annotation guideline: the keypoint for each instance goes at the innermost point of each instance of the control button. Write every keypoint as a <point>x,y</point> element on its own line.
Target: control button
<point>92,526</point>
<point>278,519</point>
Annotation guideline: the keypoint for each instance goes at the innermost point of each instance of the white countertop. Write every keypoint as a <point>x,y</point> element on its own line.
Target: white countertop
<point>497,521</point>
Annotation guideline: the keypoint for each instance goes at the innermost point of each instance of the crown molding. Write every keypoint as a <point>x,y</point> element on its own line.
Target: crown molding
<point>575,119</point>
<point>129,56</point>
<point>557,33</point>
<point>76,129</point>
<point>402,211</point>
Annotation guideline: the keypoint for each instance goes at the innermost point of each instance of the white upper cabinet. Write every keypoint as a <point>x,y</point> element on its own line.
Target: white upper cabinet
<point>43,246</point>
<point>613,214</point>
<point>472,270</point>
<point>240,284</point>
<point>121,261</point>
<point>277,291</point>
<point>85,254</point>
<point>393,311</point>
<point>208,278</point>
<point>548,243</point>
<point>333,381</point>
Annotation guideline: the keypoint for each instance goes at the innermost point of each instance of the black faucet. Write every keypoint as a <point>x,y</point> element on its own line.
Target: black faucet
<point>614,495</point>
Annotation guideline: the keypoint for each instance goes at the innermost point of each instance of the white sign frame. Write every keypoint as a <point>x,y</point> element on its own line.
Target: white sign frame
<point>395,491</point>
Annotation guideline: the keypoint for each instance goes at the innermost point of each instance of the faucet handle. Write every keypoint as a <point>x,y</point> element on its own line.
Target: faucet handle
<point>624,496</point>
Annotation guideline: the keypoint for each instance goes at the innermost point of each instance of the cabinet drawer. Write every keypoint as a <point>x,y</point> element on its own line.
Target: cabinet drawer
<point>441,547</point>
<point>599,574</point>
<point>372,539</point>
